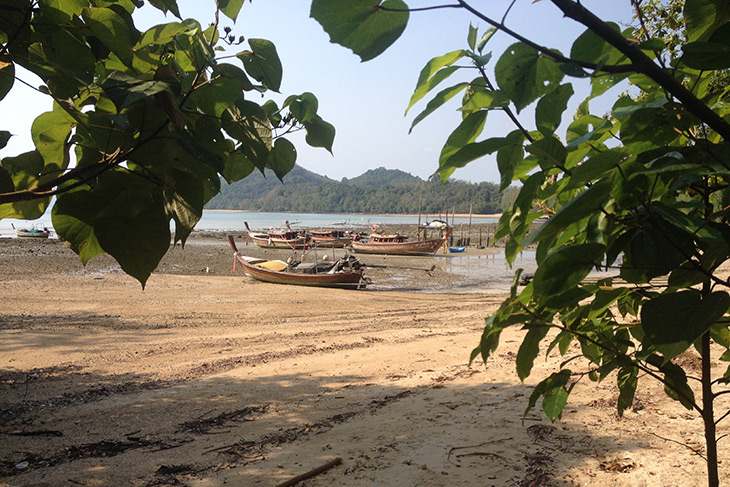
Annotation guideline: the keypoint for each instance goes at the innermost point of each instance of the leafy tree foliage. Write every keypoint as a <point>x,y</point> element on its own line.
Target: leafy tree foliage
<point>376,191</point>
<point>635,190</point>
<point>141,125</point>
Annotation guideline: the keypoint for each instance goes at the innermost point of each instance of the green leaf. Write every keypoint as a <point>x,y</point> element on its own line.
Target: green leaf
<point>428,81</point>
<point>468,130</point>
<point>303,107</point>
<point>442,97</point>
<point>473,151</point>
<point>73,216</point>
<point>162,34</point>
<point>553,392</point>
<point>525,74</point>
<point>702,17</point>
<point>237,167</point>
<point>550,108</point>
<point>50,132</point>
<point>113,30</point>
<point>583,205</point>
<point>484,99</point>
<point>566,267</point>
<point>529,349</point>
<point>169,6</point>
<point>4,138</point>
<point>124,90</point>
<point>362,25</point>
<point>131,224</point>
<point>471,39</point>
<point>7,76</point>
<point>627,381</point>
<point>319,133</point>
<point>282,158</point>
<point>262,63</point>
<point>706,55</point>
<point>549,151</point>
<point>230,8</point>
<point>674,321</point>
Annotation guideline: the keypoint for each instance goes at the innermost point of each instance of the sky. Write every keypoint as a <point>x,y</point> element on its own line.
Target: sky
<point>364,101</point>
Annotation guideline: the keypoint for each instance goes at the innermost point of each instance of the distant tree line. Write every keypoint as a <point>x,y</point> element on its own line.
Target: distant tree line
<point>307,192</point>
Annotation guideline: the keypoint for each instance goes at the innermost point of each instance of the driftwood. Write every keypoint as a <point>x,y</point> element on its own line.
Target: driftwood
<point>311,473</point>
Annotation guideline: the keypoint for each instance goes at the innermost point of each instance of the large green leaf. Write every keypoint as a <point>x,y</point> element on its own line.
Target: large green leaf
<point>262,63</point>
<point>441,97</point>
<point>549,151</point>
<point>583,205</point>
<point>467,131</point>
<point>529,350</point>
<point>168,6</point>
<point>231,8</point>
<point>525,74</point>
<point>124,90</point>
<point>702,17</point>
<point>115,31</point>
<point>554,392</point>
<point>550,108</point>
<point>566,267</point>
<point>674,321</point>
<point>282,158</point>
<point>73,216</point>
<point>319,133</point>
<point>7,76</point>
<point>131,224</point>
<point>364,26</point>
<point>706,55</point>
<point>428,81</point>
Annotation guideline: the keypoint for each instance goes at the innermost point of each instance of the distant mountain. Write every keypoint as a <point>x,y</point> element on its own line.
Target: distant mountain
<point>376,191</point>
<point>383,177</point>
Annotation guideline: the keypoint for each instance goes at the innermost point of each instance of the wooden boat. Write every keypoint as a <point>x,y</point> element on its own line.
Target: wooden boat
<point>399,244</point>
<point>343,273</point>
<point>31,232</point>
<point>278,239</point>
<point>330,238</point>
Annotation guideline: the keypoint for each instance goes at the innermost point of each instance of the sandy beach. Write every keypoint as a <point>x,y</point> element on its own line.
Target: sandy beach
<point>208,379</point>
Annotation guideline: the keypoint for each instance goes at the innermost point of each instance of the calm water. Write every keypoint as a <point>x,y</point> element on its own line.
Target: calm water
<point>233,220</point>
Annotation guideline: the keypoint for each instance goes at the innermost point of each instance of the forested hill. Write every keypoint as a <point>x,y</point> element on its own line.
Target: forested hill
<point>376,191</point>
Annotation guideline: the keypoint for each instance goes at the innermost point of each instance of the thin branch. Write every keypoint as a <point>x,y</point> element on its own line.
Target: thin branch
<point>694,450</point>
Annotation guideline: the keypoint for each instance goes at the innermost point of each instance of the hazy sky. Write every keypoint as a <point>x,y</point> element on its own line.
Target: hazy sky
<point>366,101</point>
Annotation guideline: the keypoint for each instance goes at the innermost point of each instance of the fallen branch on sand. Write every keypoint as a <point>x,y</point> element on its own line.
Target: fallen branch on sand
<point>311,473</point>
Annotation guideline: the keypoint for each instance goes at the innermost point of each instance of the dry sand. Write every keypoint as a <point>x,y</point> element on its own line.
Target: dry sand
<point>206,379</point>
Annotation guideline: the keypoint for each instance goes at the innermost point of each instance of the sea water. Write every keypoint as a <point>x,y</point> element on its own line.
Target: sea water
<point>233,221</point>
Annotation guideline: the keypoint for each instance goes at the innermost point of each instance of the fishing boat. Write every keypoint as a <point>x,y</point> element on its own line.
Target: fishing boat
<point>330,238</point>
<point>457,250</point>
<point>397,244</point>
<point>343,273</point>
<point>31,232</point>
<point>278,239</point>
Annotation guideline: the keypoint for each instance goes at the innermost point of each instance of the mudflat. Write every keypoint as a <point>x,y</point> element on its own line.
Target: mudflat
<point>205,378</point>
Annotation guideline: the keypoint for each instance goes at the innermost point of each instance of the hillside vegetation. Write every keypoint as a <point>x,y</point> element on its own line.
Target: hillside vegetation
<point>376,191</point>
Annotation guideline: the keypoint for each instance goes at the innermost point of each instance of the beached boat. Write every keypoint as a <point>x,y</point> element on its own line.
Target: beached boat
<point>456,250</point>
<point>330,238</point>
<point>397,244</point>
<point>343,273</point>
<point>278,239</point>
<point>31,232</point>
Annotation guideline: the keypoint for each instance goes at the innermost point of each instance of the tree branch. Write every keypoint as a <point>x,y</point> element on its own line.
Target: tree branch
<point>641,63</point>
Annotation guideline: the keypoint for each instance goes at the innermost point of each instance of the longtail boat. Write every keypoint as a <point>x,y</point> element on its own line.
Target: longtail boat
<point>31,232</point>
<point>343,273</point>
<point>278,239</point>
<point>330,238</point>
<point>397,244</point>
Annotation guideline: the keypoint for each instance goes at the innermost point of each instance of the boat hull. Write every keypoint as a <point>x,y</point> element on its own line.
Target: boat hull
<point>32,233</point>
<point>342,279</point>
<point>419,247</point>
